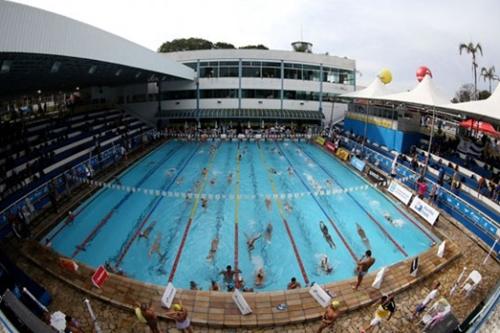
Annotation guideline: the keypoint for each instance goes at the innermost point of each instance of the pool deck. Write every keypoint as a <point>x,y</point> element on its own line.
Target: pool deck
<point>217,309</point>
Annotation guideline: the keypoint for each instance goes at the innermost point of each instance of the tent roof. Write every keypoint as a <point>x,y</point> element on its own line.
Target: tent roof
<point>485,109</point>
<point>425,93</point>
<point>375,89</point>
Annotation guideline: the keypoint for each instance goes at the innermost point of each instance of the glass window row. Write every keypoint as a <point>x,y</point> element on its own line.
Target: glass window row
<point>263,69</point>
<point>248,93</point>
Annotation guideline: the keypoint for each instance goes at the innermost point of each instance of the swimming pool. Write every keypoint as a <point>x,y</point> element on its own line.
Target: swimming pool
<point>154,224</point>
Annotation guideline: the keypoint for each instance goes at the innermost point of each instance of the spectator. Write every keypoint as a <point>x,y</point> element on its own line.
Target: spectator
<point>180,315</point>
<point>72,325</point>
<point>147,315</point>
<point>385,310</point>
<point>429,298</point>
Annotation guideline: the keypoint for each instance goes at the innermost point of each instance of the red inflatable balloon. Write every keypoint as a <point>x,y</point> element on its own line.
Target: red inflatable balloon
<point>422,71</point>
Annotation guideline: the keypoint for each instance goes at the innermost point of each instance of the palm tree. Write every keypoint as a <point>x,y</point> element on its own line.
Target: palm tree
<point>488,74</point>
<point>472,49</point>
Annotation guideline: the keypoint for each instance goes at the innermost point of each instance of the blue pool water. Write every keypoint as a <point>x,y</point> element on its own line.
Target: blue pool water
<point>107,227</point>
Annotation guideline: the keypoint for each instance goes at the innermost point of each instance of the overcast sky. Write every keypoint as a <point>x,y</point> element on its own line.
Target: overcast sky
<point>400,35</point>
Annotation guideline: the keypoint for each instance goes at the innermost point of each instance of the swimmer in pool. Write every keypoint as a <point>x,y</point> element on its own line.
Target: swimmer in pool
<point>155,248</point>
<point>204,172</point>
<point>362,235</point>
<point>204,203</point>
<point>259,277</point>
<point>329,183</point>
<point>179,180</point>
<point>212,181</point>
<point>388,217</point>
<point>268,233</point>
<point>229,178</point>
<point>290,171</point>
<point>213,249</point>
<point>325,265</point>
<point>288,207</point>
<point>273,170</point>
<point>251,241</point>
<point>147,231</point>
<point>327,235</point>
<point>268,203</point>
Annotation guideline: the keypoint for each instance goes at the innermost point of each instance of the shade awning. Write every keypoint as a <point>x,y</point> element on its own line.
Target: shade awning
<point>424,94</point>
<point>488,109</point>
<point>241,114</point>
<point>374,89</point>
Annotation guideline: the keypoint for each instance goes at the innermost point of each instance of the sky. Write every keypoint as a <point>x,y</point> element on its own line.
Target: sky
<point>400,35</point>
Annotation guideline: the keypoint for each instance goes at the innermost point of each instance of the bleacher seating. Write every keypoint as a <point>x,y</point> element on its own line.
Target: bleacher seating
<point>35,151</point>
<point>469,194</point>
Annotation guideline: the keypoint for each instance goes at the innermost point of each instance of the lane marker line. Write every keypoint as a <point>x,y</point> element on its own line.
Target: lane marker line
<point>359,205</point>
<point>285,222</point>
<point>192,214</point>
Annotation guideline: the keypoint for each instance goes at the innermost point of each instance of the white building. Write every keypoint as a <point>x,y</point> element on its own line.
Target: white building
<point>250,85</point>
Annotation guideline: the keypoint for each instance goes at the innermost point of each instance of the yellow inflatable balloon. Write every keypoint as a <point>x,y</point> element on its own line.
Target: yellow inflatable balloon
<point>385,76</point>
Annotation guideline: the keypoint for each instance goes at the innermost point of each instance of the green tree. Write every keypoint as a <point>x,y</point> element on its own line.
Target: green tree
<point>258,47</point>
<point>472,49</point>
<point>223,45</point>
<point>484,94</point>
<point>186,44</point>
<point>488,74</point>
<point>464,93</point>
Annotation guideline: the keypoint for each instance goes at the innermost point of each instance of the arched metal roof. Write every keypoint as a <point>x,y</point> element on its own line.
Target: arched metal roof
<point>32,39</point>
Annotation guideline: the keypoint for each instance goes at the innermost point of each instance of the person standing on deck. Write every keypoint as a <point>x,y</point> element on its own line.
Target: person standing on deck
<point>363,266</point>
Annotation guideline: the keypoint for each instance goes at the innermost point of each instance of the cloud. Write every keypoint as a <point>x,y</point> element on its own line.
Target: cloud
<point>400,35</point>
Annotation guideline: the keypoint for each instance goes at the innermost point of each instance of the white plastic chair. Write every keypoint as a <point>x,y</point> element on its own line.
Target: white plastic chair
<point>471,282</point>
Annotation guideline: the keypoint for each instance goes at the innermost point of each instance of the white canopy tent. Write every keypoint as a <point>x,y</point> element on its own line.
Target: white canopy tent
<point>375,89</point>
<point>424,94</point>
<point>488,109</point>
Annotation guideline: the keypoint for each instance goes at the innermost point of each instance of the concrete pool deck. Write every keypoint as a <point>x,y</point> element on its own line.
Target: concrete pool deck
<point>217,309</point>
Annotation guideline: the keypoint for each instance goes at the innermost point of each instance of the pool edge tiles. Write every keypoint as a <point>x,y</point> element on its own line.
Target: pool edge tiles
<point>216,309</point>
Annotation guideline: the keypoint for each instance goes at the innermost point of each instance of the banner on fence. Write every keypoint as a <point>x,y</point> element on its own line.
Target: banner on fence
<point>400,192</point>
<point>320,140</point>
<point>376,175</point>
<point>358,164</point>
<point>427,212</point>
<point>342,154</point>
<point>330,146</point>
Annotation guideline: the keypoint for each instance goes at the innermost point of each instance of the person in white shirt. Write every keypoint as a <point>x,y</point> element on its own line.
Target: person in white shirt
<point>429,298</point>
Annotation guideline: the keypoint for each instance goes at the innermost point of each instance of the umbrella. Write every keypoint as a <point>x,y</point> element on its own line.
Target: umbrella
<point>479,126</point>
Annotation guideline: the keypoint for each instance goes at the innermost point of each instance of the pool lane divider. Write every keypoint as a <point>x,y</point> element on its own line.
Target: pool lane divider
<point>67,220</point>
<point>236,217</point>
<point>81,247</point>
<point>191,216</point>
<point>283,219</point>
<point>396,244</point>
<point>337,230</point>
<point>156,201</point>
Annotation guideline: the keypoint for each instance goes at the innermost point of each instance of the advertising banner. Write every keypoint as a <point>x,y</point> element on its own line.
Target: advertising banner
<point>342,154</point>
<point>100,276</point>
<point>400,192</point>
<point>320,295</point>
<point>168,295</point>
<point>330,146</point>
<point>319,140</point>
<point>427,212</point>
<point>375,175</point>
<point>358,164</point>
